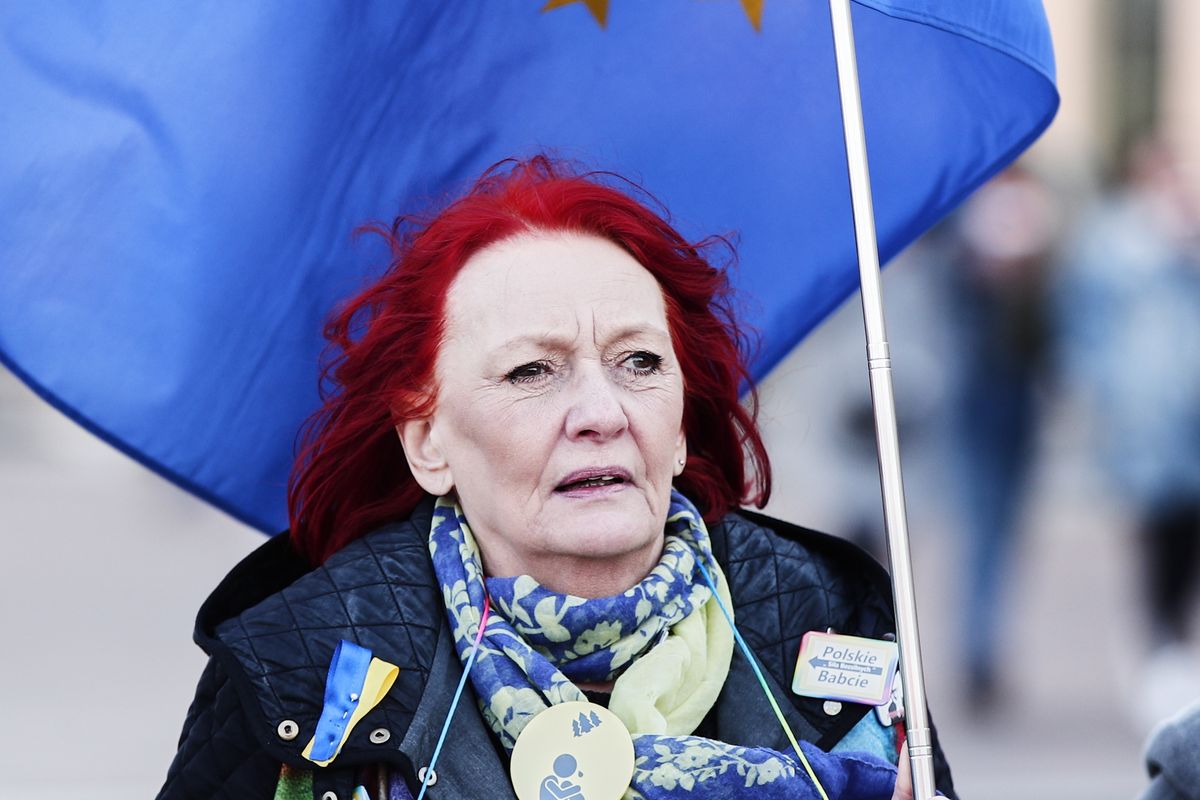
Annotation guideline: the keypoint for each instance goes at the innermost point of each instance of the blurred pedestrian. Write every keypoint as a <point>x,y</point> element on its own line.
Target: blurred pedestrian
<point>1129,298</point>
<point>998,249</point>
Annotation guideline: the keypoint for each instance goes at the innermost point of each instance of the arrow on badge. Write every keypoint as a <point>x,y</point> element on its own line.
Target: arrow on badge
<point>845,666</point>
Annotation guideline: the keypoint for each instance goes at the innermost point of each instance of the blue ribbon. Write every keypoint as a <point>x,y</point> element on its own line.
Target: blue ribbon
<point>343,685</point>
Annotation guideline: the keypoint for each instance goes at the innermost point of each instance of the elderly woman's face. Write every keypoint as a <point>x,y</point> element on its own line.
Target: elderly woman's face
<point>559,410</point>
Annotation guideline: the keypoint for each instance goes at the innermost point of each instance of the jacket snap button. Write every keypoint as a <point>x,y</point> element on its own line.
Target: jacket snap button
<point>432,776</point>
<point>288,730</point>
<point>832,707</point>
<point>380,735</point>
<point>329,796</point>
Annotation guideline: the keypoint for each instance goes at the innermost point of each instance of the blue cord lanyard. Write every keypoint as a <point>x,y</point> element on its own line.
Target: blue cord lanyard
<point>762,681</point>
<point>437,750</point>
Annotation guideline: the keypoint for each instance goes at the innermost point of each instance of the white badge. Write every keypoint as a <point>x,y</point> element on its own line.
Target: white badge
<point>850,668</point>
<point>573,751</point>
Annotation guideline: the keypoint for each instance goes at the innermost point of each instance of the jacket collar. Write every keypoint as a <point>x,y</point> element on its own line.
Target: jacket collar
<point>273,624</point>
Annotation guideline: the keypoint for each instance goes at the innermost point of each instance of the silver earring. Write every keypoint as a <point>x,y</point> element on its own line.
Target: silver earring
<point>680,462</point>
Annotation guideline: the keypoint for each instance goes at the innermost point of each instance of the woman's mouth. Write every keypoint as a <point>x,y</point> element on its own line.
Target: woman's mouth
<point>593,481</point>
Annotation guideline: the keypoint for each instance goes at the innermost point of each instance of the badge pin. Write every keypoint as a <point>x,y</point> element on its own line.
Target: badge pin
<point>573,751</point>
<point>849,668</point>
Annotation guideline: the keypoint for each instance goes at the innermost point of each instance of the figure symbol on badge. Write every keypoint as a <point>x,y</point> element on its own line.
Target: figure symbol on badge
<point>557,786</point>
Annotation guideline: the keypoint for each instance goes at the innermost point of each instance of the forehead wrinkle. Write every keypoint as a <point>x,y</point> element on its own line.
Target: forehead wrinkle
<point>557,313</point>
<point>538,302</point>
<point>632,330</point>
<point>639,329</point>
<point>551,339</point>
<point>624,329</point>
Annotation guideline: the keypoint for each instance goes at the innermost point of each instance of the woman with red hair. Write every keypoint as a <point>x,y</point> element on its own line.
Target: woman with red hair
<point>526,478</point>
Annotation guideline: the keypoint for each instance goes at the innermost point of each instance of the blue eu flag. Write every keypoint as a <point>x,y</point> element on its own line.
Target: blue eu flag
<point>179,183</point>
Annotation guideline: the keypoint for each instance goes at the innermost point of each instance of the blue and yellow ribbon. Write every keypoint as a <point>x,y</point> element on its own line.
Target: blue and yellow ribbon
<point>356,683</point>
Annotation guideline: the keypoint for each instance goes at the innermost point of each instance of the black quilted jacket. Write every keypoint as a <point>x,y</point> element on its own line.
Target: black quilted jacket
<point>271,626</point>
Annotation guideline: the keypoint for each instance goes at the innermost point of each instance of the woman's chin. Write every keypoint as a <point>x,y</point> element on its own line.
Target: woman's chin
<point>613,525</point>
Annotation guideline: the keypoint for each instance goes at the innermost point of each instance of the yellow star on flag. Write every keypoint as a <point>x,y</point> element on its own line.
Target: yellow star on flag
<point>754,9</point>
<point>599,9</point>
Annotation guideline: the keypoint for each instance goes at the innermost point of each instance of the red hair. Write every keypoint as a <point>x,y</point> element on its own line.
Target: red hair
<point>351,475</point>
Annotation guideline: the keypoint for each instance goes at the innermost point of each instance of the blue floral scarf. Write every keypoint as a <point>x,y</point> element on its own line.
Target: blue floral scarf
<point>538,641</point>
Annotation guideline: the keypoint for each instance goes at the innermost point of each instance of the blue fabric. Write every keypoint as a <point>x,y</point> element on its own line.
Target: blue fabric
<point>178,186</point>
<point>343,687</point>
<point>515,681</point>
<point>870,737</point>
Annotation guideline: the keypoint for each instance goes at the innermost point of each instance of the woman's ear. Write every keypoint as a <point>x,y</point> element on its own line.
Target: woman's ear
<point>680,452</point>
<point>425,458</point>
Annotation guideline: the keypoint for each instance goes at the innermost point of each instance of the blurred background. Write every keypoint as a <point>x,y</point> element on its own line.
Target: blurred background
<point>1048,381</point>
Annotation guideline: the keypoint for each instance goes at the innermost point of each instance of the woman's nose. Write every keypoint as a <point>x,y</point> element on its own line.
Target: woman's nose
<point>595,411</point>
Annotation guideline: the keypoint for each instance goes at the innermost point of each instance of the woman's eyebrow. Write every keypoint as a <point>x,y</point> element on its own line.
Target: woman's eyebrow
<point>553,340</point>
<point>631,332</point>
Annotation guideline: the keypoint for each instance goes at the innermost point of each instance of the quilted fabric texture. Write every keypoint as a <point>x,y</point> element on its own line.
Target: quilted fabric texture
<point>269,662</point>
<point>271,629</point>
<point>215,734</point>
<point>378,592</point>
<point>784,586</point>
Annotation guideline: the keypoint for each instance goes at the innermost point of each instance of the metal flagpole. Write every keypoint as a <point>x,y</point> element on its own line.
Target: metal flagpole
<point>879,363</point>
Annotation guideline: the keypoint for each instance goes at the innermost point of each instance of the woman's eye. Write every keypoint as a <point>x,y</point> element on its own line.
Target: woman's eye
<point>643,362</point>
<point>528,372</point>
